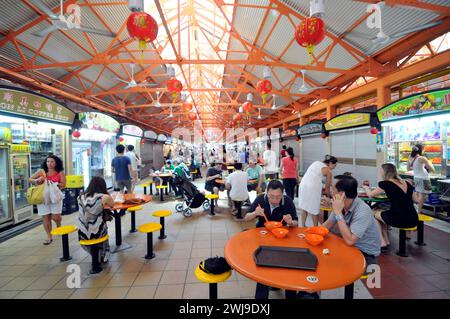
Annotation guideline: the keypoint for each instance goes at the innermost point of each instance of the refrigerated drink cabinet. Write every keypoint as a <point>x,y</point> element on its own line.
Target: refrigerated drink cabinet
<point>6,216</point>
<point>20,174</point>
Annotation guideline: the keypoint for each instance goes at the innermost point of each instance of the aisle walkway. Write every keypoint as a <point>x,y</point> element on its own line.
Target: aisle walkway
<point>30,270</point>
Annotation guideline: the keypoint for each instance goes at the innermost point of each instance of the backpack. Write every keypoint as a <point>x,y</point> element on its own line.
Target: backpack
<point>215,265</point>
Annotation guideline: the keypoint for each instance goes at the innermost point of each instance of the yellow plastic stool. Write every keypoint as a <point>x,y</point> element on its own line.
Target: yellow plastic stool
<point>64,232</point>
<point>161,214</point>
<point>402,241</point>
<point>325,211</point>
<point>211,198</point>
<point>94,252</point>
<point>145,185</point>
<point>161,188</point>
<point>212,280</point>
<point>149,228</point>
<point>421,229</point>
<point>133,210</point>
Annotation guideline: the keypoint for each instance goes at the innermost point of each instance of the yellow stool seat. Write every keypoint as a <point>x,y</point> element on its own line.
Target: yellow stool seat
<point>145,184</point>
<point>162,187</point>
<point>326,209</point>
<point>210,278</point>
<point>64,230</point>
<point>212,196</point>
<point>195,172</point>
<point>364,277</point>
<point>149,227</point>
<point>90,242</point>
<point>425,218</point>
<point>162,213</point>
<point>412,228</point>
<point>135,208</point>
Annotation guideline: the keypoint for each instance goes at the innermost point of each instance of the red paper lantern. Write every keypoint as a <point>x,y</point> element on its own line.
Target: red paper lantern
<point>142,142</point>
<point>192,116</point>
<point>264,87</point>
<point>76,134</point>
<point>187,107</point>
<point>298,138</point>
<point>310,33</point>
<point>237,117</point>
<point>142,27</point>
<point>324,135</point>
<point>174,86</point>
<point>121,139</point>
<point>373,130</point>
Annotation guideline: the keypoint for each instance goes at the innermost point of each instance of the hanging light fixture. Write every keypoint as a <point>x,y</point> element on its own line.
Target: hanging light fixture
<point>274,105</point>
<point>170,71</point>
<point>171,114</point>
<point>259,113</point>
<point>299,115</point>
<point>267,72</point>
<point>157,104</point>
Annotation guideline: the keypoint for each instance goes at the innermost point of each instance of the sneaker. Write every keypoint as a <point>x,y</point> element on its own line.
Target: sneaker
<point>385,249</point>
<point>211,214</point>
<point>106,257</point>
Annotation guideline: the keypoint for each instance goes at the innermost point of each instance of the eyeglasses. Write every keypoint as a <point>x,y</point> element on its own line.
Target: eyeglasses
<point>271,196</point>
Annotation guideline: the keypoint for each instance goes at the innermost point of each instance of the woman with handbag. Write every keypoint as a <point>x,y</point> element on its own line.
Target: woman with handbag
<point>52,172</point>
<point>92,216</point>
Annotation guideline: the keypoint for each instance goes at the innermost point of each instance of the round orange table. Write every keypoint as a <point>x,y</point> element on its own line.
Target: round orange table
<point>118,211</point>
<point>341,267</point>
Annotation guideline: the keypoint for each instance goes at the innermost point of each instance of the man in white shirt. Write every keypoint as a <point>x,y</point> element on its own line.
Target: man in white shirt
<point>134,165</point>
<point>237,184</point>
<point>270,162</point>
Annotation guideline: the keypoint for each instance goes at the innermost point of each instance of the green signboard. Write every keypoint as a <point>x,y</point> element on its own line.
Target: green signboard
<point>99,122</point>
<point>347,120</point>
<point>16,101</point>
<point>418,104</point>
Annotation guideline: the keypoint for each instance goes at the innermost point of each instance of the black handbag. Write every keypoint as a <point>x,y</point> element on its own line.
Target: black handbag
<point>106,215</point>
<point>215,265</point>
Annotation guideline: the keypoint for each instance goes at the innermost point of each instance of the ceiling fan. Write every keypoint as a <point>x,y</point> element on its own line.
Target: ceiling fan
<point>132,83</point>
<point>63,23</point>
<point>381,38</point>
<point>305,89</point>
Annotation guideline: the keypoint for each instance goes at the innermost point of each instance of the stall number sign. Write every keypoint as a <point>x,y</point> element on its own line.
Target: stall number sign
<point>32,105</point>
<point>348,120</point>
<point>429,102</point>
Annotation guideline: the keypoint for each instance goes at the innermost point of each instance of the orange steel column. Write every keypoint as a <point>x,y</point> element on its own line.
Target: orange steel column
<point>331,110</point>
<point>383,96</point>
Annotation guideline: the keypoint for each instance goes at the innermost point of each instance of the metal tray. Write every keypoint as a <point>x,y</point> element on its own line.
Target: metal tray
<point>285,257</point>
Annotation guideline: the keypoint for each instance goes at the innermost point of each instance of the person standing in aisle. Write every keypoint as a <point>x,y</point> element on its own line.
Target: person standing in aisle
<point>52,170</point>
<point>310,190</point>
<point>421,167</point>
<point>289,172</point>
<point>270,162</point>
<point>134,165</point>
<point>121,167</point>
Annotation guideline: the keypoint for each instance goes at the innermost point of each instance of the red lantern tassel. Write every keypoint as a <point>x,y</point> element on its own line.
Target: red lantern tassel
<point>310,48</point>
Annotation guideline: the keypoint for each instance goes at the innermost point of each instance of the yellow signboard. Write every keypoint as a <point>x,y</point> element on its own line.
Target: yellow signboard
<point>347,120</point>
<point>20,148</point>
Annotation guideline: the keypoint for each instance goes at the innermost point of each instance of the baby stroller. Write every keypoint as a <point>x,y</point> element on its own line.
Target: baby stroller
<point>192,197</point>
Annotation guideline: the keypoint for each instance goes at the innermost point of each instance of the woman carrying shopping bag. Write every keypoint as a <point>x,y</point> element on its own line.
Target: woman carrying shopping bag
<point>52,172</point>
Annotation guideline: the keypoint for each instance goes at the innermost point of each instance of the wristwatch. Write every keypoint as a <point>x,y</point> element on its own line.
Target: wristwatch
<point>338,218</point>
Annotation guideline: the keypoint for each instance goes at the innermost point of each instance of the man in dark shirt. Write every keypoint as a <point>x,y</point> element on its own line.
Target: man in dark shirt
<point>276,207</point>
<point>121,166</point>
<point>213,173</point>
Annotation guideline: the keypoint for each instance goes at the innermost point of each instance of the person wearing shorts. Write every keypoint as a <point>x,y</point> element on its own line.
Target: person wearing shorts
<point>121,167</point>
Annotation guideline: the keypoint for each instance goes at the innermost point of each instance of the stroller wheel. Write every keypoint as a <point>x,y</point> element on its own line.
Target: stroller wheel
<point>187,212</point>
<point>206,205</point>
<point>179,207</point>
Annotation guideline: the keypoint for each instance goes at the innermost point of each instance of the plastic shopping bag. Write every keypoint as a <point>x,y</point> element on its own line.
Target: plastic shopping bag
<point>55,194</point>
<point>35,194</point>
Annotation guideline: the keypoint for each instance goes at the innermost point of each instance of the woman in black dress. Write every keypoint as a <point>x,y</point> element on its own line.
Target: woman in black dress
<point>402,213</point>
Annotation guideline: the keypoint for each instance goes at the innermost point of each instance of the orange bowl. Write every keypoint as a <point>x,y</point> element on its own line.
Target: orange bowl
<point>279,232</point>
<point>272,225</point>
<point>314,239</point>
<point>318,230</point>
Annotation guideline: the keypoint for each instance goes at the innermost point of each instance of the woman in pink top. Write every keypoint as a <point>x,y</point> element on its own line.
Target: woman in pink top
<point>52,169</point>
<point>289,172</point>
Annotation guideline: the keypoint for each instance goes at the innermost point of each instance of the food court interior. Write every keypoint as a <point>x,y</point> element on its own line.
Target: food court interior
<point>209,85</point>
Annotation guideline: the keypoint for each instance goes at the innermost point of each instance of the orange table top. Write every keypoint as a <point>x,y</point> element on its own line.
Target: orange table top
<point>341,267</point>
<point>120,206</point>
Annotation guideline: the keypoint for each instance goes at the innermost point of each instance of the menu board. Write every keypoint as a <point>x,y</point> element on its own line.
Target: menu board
<point>99,122</point>
<point>423,130</point>
<point>310,128</point>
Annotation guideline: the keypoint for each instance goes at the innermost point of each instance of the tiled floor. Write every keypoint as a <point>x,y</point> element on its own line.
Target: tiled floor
<point>30,270</point>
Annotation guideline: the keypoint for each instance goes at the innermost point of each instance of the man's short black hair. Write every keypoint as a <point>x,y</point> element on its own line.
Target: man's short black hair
<point>275,184</point>
<point>348,185</point>
<point>238,166</point>
<point>130,148</point>
<point>120,148</point>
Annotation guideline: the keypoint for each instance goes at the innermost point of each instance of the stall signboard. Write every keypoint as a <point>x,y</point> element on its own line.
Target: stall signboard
<point>132,130</point>
<point>99,122</point>
<point>288,133</point>
<point>418,104</point>
<point>347,120</point>
<point>161,138</point>
<point>19,148</point>
<point>150,135</point>
<point>27,104</point>
<point>168,141</point>
<point>310,128</point>
<point>418,130</point>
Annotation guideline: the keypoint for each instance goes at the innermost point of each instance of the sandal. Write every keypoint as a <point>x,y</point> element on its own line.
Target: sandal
<point>47,242</point>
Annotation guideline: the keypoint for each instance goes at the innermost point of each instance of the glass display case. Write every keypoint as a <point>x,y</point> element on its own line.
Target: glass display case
<point>6,217</point>
<point>20,176</point>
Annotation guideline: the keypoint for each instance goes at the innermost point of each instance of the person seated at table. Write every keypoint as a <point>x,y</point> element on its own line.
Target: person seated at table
<point>237,185</point>
<point>402,213</point>
<point>354,218</point>
<point>255,172</point>
<point>276,207</point>
<point>167,168</point>
<point>91,224</point>
<point>213,173</point>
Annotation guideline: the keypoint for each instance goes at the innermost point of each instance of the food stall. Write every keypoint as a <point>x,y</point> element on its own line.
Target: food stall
<point>312,146</point>
<point>147,160</point>
<point>420,118</point>
<point>94,149</point>
<point>132,135</point>
<point>32,126</point>
<point>353,140</point>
